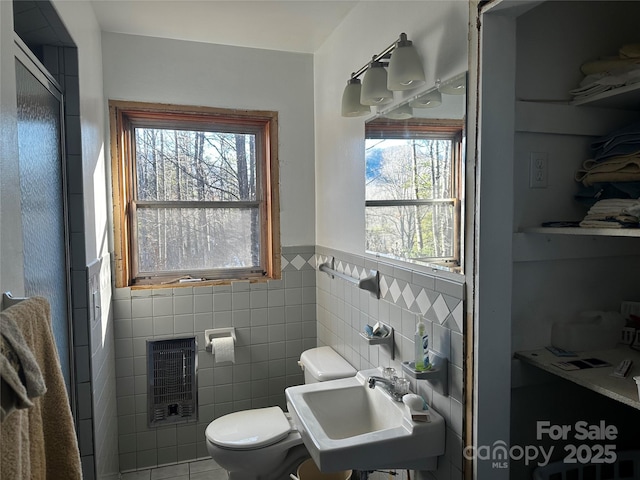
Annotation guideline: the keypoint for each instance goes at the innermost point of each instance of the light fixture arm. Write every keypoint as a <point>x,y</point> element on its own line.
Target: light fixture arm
<point>383,55</point>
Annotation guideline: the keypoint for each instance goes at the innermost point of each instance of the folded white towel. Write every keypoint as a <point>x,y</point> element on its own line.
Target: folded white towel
<point>633,210</point>
<point>602,81</point>
<point>614,206</point>
<point>599,224</point>
<point>613,213</point>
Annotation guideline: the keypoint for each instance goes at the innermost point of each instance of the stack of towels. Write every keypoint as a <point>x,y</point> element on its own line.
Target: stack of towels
<point>614,169</point>
<point>613,213</point>
<point>610,179</point>
<point>608,73</point>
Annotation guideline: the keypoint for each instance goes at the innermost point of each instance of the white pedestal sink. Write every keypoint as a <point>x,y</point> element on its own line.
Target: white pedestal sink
<point>347,425</point>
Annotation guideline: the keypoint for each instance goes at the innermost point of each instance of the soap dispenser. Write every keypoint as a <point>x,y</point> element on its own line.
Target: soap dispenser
<point>421,345</point>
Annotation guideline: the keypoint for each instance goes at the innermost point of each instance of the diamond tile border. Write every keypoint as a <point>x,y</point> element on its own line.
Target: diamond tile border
<point>411,296</point>
<point>298,261</point>
<point>440,309</point>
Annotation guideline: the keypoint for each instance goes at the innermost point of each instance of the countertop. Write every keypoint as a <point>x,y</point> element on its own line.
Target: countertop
<point>599,379</point>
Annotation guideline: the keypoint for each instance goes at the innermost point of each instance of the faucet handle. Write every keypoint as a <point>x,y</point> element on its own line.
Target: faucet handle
<point>401,386</point>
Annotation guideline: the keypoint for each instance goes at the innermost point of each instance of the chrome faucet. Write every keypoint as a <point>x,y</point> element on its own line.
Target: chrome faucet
<point>387,386</point>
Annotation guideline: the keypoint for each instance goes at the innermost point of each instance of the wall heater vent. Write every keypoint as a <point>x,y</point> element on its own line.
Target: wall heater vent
<point>172,392</point>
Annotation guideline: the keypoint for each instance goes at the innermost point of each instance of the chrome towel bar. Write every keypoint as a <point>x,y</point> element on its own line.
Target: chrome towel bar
<point>370,283</point>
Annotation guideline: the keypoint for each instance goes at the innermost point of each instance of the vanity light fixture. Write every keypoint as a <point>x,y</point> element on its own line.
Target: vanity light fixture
<point>351,106</point>
<point>374,85</point>
<point>405,73</point>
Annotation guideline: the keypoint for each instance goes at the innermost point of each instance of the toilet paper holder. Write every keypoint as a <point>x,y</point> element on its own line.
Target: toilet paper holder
<point>212,333</point>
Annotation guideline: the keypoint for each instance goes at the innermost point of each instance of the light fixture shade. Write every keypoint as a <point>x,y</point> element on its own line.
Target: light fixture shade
<point>430,99</point>
<point>351,106</point>
<point>405,66</point>
<point>455,86</point>
<point>403,112</point>
<point>374,86</point>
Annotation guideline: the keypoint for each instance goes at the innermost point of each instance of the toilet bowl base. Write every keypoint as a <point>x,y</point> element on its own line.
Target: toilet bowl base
<point>293,459</point>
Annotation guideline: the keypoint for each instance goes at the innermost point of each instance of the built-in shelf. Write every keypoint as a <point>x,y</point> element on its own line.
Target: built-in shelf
<point>598,232</point>
<point>599,380</point>
<point>549,244</point>
<point>626,98</point>
<point>563,118</point>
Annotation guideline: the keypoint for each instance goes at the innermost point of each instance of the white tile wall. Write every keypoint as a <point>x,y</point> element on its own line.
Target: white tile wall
<point>104,458</point>
<point>274,321</point>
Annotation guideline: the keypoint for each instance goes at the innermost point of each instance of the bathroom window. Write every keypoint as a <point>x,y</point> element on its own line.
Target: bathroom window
<point>413,190</point>
<point>195,194</point>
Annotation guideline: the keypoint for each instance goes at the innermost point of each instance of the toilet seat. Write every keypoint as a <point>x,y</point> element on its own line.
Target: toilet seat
<point>249,429</point>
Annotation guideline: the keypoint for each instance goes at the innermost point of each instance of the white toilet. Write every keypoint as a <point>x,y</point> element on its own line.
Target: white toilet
<point>262,443</point>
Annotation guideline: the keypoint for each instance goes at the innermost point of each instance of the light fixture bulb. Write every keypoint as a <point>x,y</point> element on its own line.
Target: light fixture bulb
<point>403,112</point>
<point>374,86</point>
<point>351,106</point>
<point>405,66</point>
<point>455,86</point>
<point>430,99</point>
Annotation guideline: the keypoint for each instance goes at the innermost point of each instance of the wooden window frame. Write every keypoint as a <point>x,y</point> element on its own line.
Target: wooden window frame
<point>427,128</point>
<point>124,116</point>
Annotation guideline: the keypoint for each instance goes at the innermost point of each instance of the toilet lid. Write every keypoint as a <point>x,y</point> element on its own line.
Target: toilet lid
<point>249,429</point>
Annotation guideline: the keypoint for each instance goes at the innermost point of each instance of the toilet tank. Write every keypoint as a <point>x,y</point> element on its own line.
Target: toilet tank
<point>324,363</point>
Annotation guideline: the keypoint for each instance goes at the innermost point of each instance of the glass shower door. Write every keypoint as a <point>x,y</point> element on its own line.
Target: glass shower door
<point>43,207</point>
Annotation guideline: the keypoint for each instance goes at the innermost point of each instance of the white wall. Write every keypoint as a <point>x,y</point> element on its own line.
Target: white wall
<point>81,23</point>
<point>189,73</point>
<point>439,31</point>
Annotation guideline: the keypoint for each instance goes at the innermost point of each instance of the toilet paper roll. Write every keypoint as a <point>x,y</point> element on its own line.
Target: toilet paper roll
<point>223,349</point>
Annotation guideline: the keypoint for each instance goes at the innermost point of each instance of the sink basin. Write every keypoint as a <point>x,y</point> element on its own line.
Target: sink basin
<point>347,425</point>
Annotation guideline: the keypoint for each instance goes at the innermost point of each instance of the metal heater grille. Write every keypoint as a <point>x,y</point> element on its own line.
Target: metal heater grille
<point>173,381</point>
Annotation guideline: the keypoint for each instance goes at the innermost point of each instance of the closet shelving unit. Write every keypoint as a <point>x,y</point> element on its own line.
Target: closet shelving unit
<point>531,276</point>
<point>621,101</point>
<point>556,125</point>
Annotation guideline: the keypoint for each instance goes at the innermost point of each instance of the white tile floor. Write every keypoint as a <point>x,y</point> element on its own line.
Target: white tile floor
<point>198,470</point>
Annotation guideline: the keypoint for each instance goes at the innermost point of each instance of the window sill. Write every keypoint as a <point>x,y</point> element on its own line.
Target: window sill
<point>434,270</point>
<point>196,283</point>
